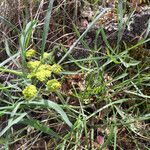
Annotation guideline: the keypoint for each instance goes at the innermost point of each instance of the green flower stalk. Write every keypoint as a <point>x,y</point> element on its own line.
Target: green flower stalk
<point>30,53</point>
<point>29,92</point>
<point>53,85</point>
<point>18,73</point>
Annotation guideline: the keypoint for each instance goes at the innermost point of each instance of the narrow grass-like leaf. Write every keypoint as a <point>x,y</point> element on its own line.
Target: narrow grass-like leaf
<point>106,41</point>
<point>9,24</point>
<point>110,137</point>
<point>55,106</point>
<point>138,44</point>
<point>148,29</point>
<point>46,25</point>
<point>14,121</point>
<point>83,34</point>
<point>82,41</point>
<point>9,53</point>
<point>25,39</point>
<point>106,106</point>
<point>2,113</point>
<point>26,34</point>
<point>137,94</point>
<point>120,20</point>
<point>11,71</point>
<point>9,59</point>
<point>120,77</point>
<point>41,127</point>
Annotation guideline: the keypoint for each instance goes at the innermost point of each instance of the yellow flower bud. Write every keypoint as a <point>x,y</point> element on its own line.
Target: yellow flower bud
<point>42,75</point>
<point>39,71</point>
<point>45,55</point>
<point>56,68</point>
<point>29,92</point>
<point>53,85</point>
<point>33,64</point>
<point>30,53</point>
<point>45,67</point>
<point>29,76</point>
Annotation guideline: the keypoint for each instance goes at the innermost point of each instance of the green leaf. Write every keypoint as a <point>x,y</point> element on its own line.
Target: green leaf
<point>120,20</point>
<point>46,26</point>
<point>25,39</point>
<point>26,34</point>
<point>9,24</point>
<point>12,122</point>
<point>2,113</point>
<point>100,14</point>
<point>41,127</point>
<point>55,106</point>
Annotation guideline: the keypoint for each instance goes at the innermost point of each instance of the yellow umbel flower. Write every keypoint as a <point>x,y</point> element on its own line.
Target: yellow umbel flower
<point>53,85</point>
<point>56,68</point>
<point>33,64</point>
<point>30,53</point>
<point>42,75</point>
<point>39,71</point>
<point>36,65</point>
<point>44,67</point>
<point>29,92</point>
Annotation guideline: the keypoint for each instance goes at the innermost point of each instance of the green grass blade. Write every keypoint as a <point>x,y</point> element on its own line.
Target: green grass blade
<point>9,59</point>
<point>106,106</point>
<point>46,26</point>
<point>120,21</point>
<point>41,127</point>
<point>9,24</point>
<point>55,106</point>
<point>148,29</point>
<point>9,53</point>
<point>25,39</point>
<point>83,34</point>
<point>26,34</point>
<point>18,73</point>
<point>12,122</point>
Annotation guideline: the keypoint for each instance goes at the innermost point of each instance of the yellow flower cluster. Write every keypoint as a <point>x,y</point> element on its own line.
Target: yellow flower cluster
<point>42,75</point>
<point>30,53</point>
<point>29,92</point>
<point>42,71</point>
<point>33,64</point>
<point>56,68</point>
<point>53,85</point>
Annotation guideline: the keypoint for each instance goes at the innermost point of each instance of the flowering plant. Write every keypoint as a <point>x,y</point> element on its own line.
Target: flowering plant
<point>41,71</point>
